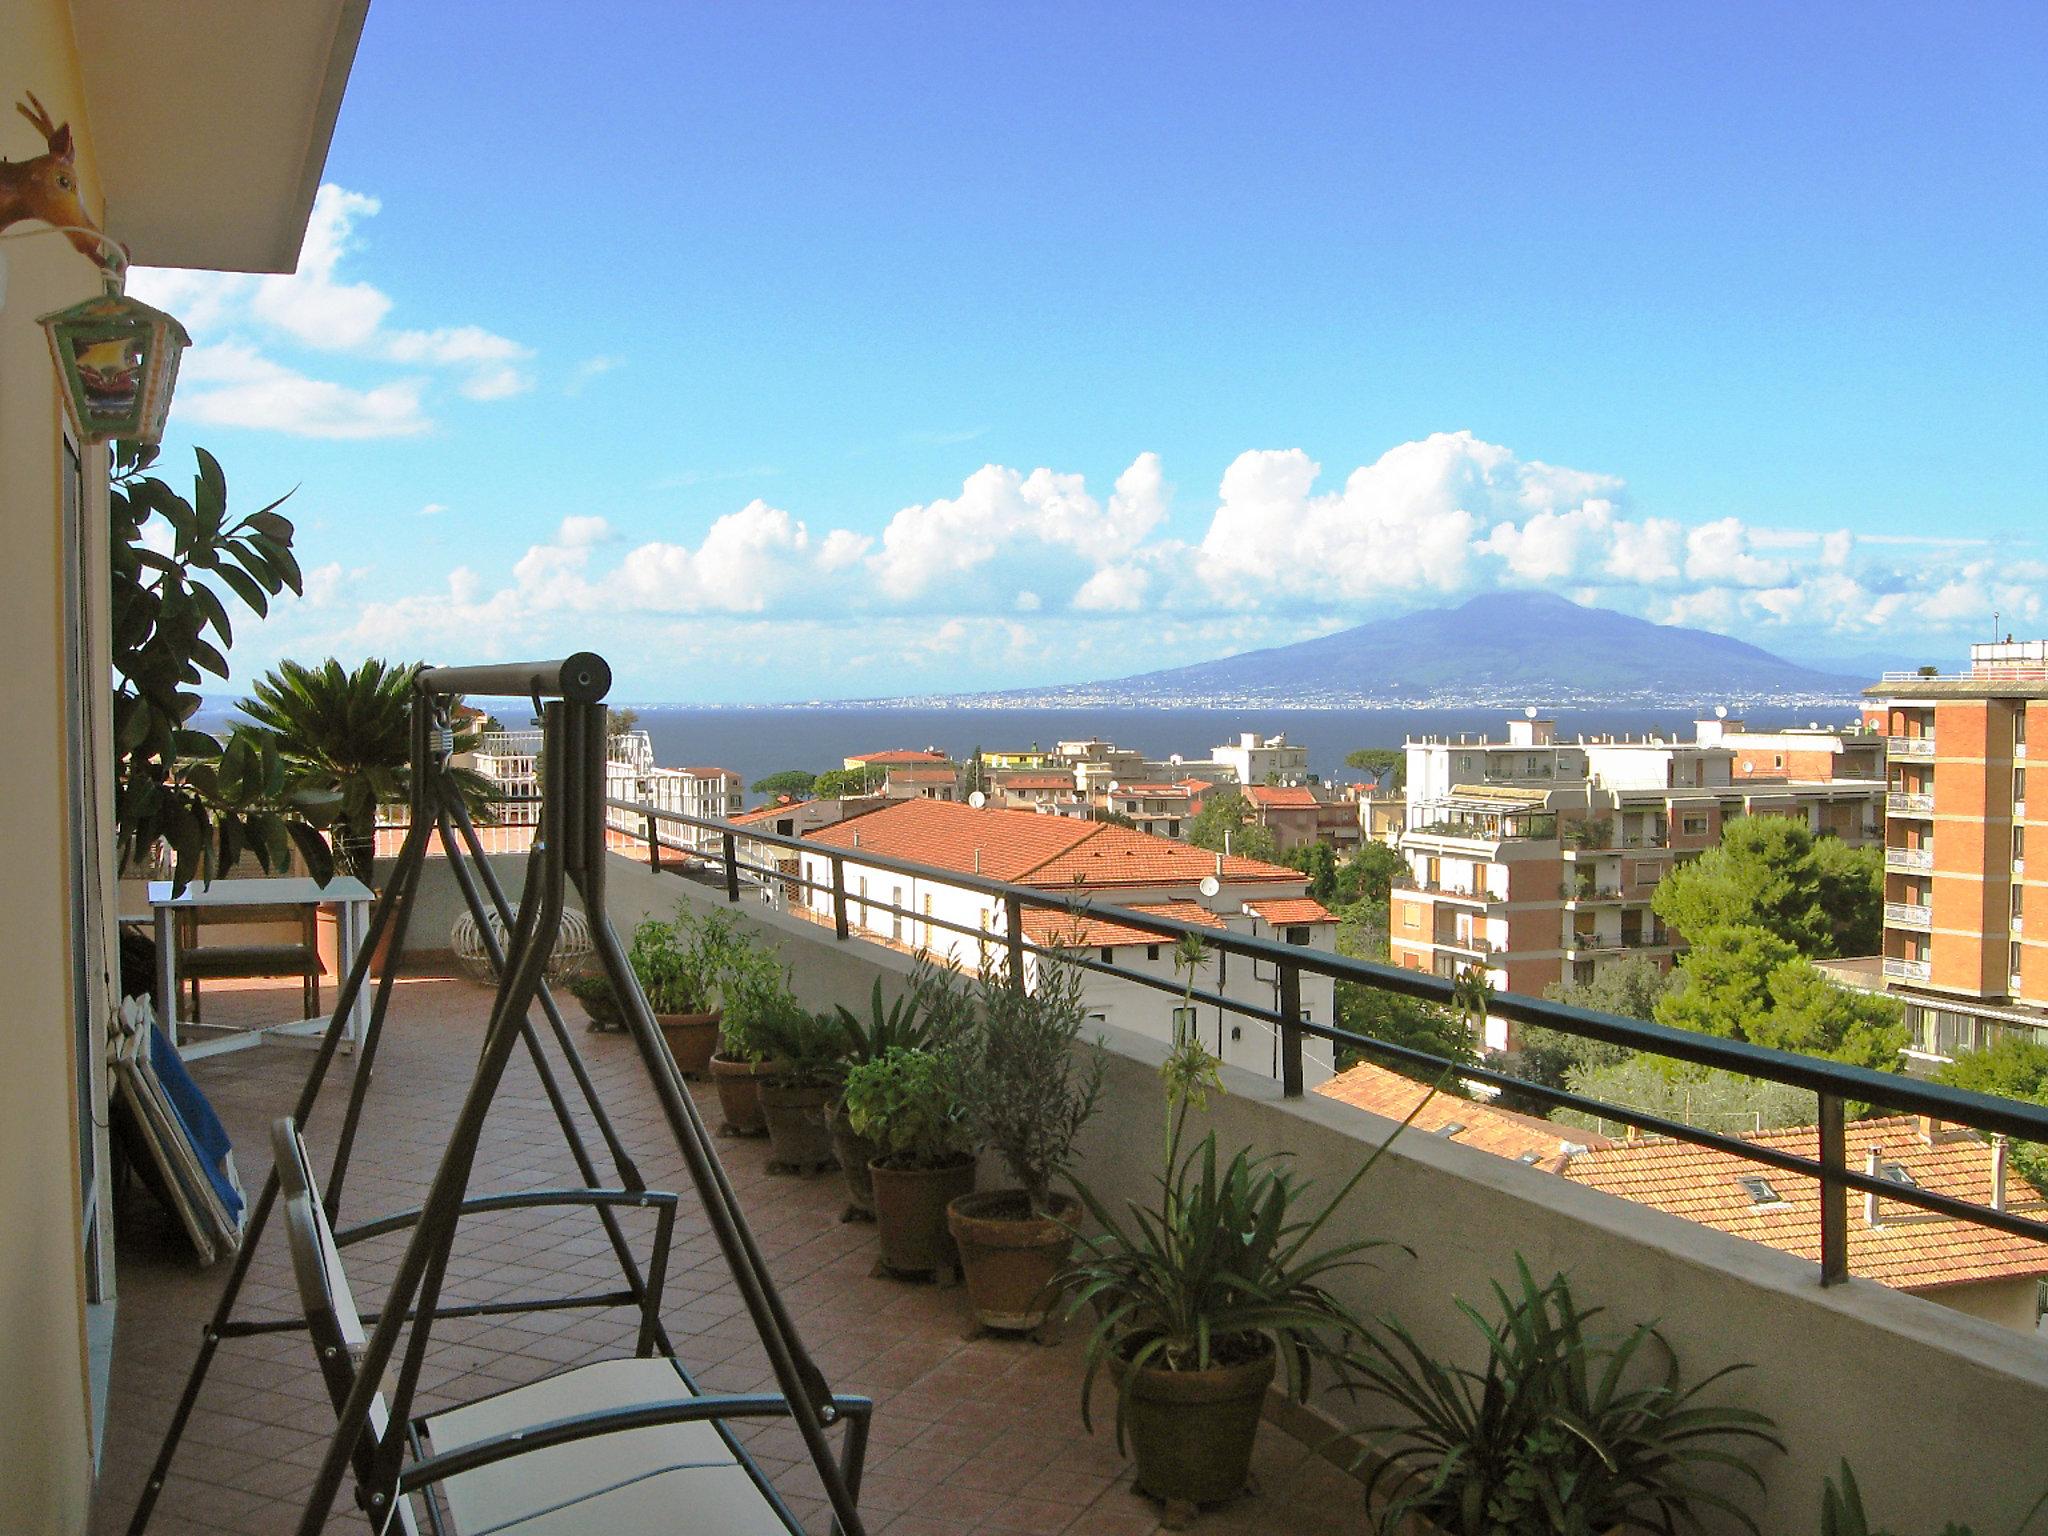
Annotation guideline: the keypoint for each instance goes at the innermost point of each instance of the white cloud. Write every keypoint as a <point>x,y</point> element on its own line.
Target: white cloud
<point>581,532</point>
<point>433,509</point>
<point>1113,589</point>
<point>1720,554</point>
<point>314,309</point>
<point>232,385</point>
<point>590,369</point>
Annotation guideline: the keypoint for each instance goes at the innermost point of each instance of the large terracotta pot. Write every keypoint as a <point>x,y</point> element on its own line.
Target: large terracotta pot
<point>739,1094</point>
<point>796,1125</point>
<point>327,944</point>
<point>692,1038</point>
<point>853,1151</point>
<point>910,1214</point>
<point>1191,1432</point>
<point>1011,1257</point>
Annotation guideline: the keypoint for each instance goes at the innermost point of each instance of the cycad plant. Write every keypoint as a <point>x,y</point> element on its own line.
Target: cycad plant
<point>1557,1434</point>
<point>348,734</point>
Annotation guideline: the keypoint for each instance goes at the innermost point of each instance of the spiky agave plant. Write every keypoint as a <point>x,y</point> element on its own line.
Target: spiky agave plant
<point>1555,1435</point>
<point>348,734</point>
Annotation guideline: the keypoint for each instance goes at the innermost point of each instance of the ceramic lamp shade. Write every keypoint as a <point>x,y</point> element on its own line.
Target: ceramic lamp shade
<point>118,358</point>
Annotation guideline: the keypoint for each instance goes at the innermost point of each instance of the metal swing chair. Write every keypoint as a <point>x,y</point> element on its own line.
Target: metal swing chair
<point>617,1448</point>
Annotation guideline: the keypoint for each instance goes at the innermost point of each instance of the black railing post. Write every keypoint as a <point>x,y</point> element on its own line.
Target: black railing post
<point>1834,1194</point>
<point>839,926</point>
<point>1013,914</point>
<point>1290,1030</point>
<point>653,843</point>
<point>732,868</point>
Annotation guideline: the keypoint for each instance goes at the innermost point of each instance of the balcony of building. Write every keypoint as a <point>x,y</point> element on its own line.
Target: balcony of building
<point>983,1434</point>
<point>1910,802</point>
<point>1906,968</point>
<point>1908,914</point>
<point>1901,856</point>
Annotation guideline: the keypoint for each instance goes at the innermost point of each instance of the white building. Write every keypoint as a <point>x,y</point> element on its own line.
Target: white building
<point>1257,759</point>
<point>1083,862</point>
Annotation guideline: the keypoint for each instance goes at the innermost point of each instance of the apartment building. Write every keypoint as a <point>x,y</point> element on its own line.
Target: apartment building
<point>1163,810</point>
<point>1257,759</point>
<point>921,781</point>
<point>1078,862</point>
<point>1541,867</point>
<point>1966,931</point>
<point>1031,789</point>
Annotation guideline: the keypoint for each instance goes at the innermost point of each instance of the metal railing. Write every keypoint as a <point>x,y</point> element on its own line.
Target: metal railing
<point>1914,802</point>
<point>1907,970</point>
<point>1908,914</point>
<point>1909,858</point>
<point>1909,746</point>
<point>1834,1084</point>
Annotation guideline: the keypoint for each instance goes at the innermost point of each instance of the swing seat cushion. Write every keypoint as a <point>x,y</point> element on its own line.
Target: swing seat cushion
<point>630,1482</point>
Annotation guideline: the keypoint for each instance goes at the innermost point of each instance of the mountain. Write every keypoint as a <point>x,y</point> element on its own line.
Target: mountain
<point>1505,648</point>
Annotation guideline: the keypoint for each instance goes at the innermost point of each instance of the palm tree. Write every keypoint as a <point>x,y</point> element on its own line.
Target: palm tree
<point>349,735</point>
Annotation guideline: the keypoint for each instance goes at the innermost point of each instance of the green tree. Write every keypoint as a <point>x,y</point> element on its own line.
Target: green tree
<point>1402,1020</point>
<point>975,776</point>
<point>2014,1068</point>
<point>1630,987</point>
<point>348,735</point>
<point>620,721</point>
<point>836,782</point>
<point>1711,1099</point>
<point>1744,983</point>
<point>1362,931</point>
<point>1388,765</point>
<point>794,782</point>
<point>1319,862</point>
<point>1369,875</point>
<point>1769,872</point>
<point>1228,814</point>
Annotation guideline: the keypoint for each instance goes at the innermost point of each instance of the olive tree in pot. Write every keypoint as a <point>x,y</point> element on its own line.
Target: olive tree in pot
<point>924,1013</point>
<point>908,1104</point>
<point>807,1051</point>
<point>1026,1091</point>
<point>1199,1298</point>
<point>1565,1428</point>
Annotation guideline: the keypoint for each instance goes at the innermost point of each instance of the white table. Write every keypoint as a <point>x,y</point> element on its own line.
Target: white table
<point>350,896</point>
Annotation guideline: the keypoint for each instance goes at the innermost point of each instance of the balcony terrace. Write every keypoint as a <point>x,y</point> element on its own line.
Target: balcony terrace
<point>1909,803</point>
<point>985,1436</point>
<point>1909,746</point>
<point>1908,858</point>
<point>1908,914</point>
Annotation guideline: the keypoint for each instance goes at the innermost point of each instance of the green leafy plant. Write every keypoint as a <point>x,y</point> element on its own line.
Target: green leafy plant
<point>930,1014</point>
<point>593,989</point>
<point>808,1049</point>
<point>210,801</point>
<point>1549,1438</point>
<point>346,736</point>
<point>1022,1087</point>
<point>1222,1271</point>
<point>904,1102</point>
<point>677,970</point>
<point>1841,1512</point>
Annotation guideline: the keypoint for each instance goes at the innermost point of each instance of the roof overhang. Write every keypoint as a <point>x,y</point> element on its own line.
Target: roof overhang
<point>211,121</point>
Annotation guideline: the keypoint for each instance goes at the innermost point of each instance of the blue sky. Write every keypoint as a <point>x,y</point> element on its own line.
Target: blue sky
<point>814,351</point>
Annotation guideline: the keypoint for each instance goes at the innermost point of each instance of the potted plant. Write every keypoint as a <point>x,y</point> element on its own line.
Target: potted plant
<point>906,1102</point>
<point>1555,1432</point>
<point>911,1022</point>
<point>751,985</point>
<point>593,989</point>
<point>1841,1511</point>
<point>1026,1094</point>
<point>677,964</point>
<point>807,1050</point>
<point>1199,1300</point>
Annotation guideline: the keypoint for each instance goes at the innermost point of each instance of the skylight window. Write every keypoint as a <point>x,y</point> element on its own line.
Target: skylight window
<point>1761,1190</point>
<point>1450,1128</point>
<point>1899,1174</point>
<point>1530,1157</point>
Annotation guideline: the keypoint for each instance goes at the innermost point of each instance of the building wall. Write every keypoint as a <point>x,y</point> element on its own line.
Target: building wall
<point>2033,932</point>
<point>1972,829</point>
<point>46,1450</point>
<point>2008,1303</point>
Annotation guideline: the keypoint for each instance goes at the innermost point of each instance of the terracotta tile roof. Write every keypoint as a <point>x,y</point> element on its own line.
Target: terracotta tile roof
<point>762,813</point>
<point>1056,852</point>
<point>898,775</point>
<point>1081,930</point>
<point>710,773</point>
<point>1121,856</point>
<point>1280,797</point>
<point>1153,790</point>
<point>1503,1132</point>
<point>1288,911</point>
<point>1034,778</point>
<point>1912,1250</point>
<point>900,755</point>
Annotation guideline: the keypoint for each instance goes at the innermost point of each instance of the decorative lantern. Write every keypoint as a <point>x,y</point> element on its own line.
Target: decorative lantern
<point>118,358</point>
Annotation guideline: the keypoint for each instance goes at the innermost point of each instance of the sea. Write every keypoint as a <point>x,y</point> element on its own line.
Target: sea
<point>755,742</point>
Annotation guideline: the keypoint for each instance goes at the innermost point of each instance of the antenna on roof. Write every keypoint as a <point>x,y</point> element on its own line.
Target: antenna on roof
<point>977,800</point>
<point>1720,711</point>
<point>1529,712</point>
<point>1210,885</point>
<point>1114,786</point>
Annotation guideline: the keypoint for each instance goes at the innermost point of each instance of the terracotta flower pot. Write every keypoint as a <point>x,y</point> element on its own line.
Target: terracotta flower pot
<point>1011,1257</point>
<point>327,944</point>
<point>1191,1432</point>
<point>692,1038</point>
<point>853,1151</point>
<point>796,1125</point>
<point>739,1094</point>
<point>910,1214</point>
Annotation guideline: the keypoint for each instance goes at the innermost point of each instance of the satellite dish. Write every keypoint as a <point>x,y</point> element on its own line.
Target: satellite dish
<point>1529,712</point>
<point>977,799</point>
<point>1114,786</point>
<point>1211,885</point>
<point>1720,711</point>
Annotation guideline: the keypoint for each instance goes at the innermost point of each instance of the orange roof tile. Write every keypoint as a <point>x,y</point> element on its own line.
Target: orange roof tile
<point>899,755</point>
<point>1288,911</point>
<point>1280,797</point>
<point>1083,930</point>
<point>1525,1138</point>
<point>920,775</point>
<point>1122,856</point>
<point>1034,778</point>
<point>1912,1250</point>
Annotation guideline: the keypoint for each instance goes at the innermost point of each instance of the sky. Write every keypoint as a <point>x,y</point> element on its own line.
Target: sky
<point>789,352</point>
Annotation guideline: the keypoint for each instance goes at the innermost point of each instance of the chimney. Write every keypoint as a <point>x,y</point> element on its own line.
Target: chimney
<point>856,837</point>
<point>977,861</point>
<point>1998,1156</point>
<point>1219,858</point>
<point>1873,1165</point>
<point>1936,1133</point>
